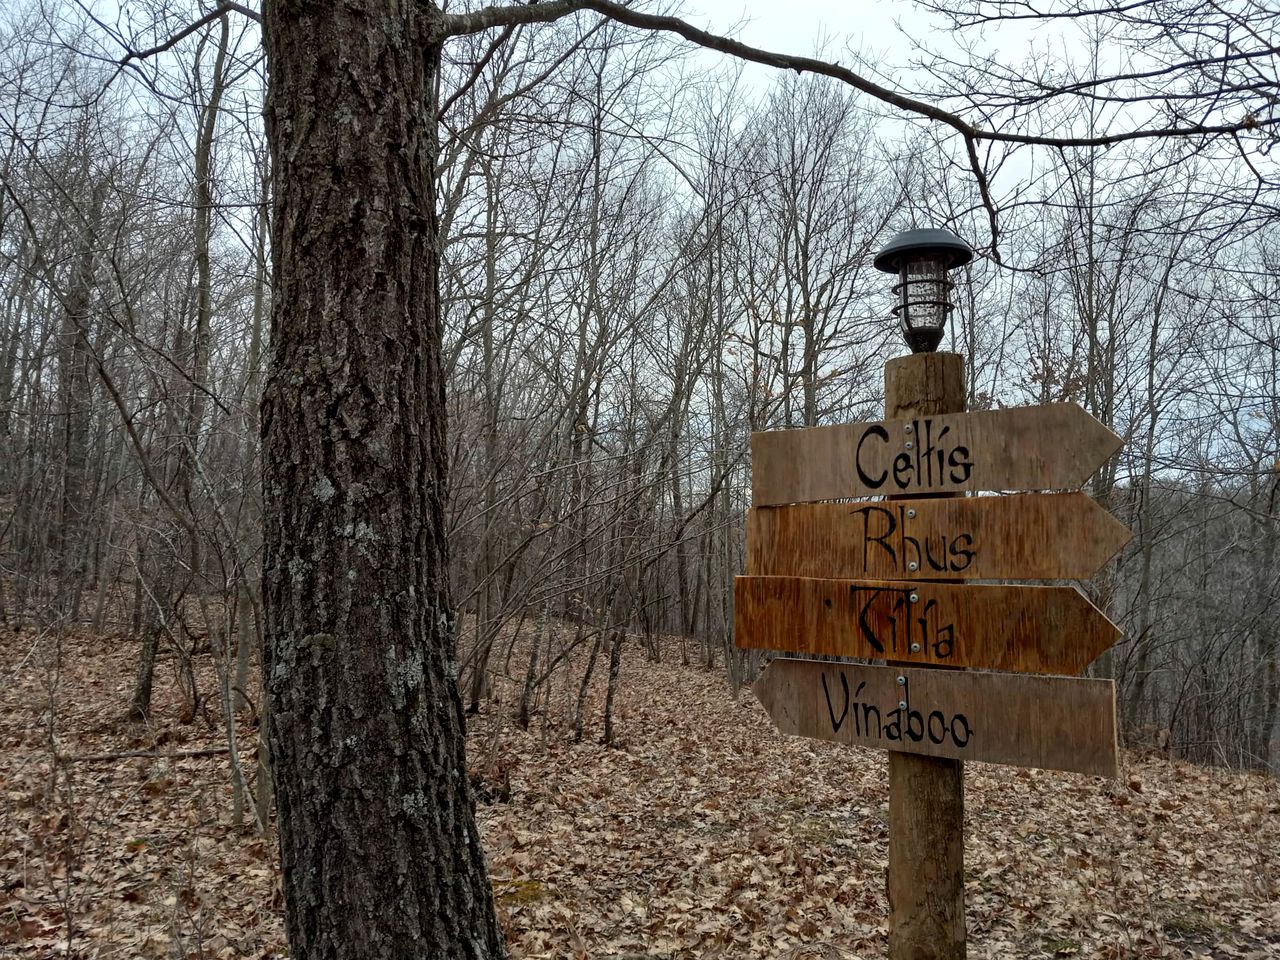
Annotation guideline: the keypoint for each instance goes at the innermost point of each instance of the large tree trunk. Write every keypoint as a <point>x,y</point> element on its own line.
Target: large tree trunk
<point>378,839</point>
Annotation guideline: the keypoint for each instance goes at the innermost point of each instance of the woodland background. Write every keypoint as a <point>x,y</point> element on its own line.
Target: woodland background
<point>645,261</point>
<point>645,258</point>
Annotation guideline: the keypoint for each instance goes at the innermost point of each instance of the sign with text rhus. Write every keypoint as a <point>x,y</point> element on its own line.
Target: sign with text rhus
<point>1025,536</point>
<point>1056,446</point>
<point>884,580</point>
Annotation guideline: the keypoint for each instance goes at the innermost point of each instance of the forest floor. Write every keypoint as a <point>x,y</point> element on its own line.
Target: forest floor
<point>702,834</point>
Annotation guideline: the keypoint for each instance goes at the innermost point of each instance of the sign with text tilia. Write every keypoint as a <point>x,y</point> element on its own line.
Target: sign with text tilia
<point>1059,723</point>
<point>1056,536</point>
<point>1019,628</point>
<point>1056,446</point>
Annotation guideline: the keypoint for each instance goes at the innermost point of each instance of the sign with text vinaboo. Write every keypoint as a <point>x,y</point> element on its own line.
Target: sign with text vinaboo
<point>1056,446</point>
<point>860,579</point>
<point>1059,723</point>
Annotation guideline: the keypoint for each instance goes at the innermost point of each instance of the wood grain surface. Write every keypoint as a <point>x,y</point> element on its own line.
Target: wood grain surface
<point>1059,536</point>
<point>1028,629</point>
<point>1057,446</point>
<point>1057,723</point>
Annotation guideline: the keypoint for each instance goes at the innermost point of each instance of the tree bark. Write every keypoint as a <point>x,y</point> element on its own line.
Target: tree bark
<point>378,839</point>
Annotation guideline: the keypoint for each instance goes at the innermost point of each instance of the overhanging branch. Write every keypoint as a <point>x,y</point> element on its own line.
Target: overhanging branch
<point>506,16</point>
<point>487,18</point>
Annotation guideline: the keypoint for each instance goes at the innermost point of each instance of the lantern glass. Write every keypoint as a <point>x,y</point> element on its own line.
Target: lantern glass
<point>921,259</point>
<point>924,300</point>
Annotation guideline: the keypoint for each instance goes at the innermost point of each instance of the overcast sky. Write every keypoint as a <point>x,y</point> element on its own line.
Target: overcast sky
<point>794,26</point>
<point>867,27</point>
<point>798,26</point>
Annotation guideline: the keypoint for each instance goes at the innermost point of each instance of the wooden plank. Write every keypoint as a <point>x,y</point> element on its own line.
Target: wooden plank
<point>1057,446</point>
<point>1029,536</point>
<point>1059,723</point>
<point>1019,628</point>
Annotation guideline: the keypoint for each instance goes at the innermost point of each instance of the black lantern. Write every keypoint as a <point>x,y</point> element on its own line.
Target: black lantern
<point>921,259</point>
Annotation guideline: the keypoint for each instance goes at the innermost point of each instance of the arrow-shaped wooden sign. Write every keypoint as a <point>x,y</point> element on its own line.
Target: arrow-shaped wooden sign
<point>1060,536</point>
<point>1019,628</point>
<point>1056,446</point>
<point>1060,723</point>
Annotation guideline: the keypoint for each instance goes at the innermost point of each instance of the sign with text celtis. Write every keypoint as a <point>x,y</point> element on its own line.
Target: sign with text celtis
<point>1059,723</point>
<point>1056,446</point>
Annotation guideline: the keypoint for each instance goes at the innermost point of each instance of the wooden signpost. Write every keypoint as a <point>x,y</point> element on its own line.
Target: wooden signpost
<point>884,580</point>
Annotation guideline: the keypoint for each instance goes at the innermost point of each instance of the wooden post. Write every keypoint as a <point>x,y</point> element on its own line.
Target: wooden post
<point>926,794</point>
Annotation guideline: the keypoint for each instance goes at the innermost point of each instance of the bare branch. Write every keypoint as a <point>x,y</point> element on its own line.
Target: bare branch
<point>221,10</point>
<point>500,16</point>
<point>508,15</point>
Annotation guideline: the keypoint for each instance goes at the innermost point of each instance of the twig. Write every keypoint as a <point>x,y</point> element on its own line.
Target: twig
<point>154,754</point>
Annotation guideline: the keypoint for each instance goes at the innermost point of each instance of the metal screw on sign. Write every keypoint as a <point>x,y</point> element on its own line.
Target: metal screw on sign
<point>913,565</point>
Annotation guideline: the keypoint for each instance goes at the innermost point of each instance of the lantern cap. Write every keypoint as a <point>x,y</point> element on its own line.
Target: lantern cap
<point>911,244</point>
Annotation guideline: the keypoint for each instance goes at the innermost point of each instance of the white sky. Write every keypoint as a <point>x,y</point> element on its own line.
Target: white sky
<point>799,26</point>
<point>866,27</point>
<point>794,26</point>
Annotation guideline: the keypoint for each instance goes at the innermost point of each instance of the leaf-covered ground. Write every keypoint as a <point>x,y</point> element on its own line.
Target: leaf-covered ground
<point>701,834</point>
